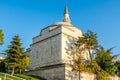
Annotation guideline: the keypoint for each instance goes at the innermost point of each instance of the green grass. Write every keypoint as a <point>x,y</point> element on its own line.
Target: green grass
<point>9,77</point>
<point>20,77</point>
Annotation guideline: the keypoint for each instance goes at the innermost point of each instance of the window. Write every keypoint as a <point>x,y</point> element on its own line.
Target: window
<point>51,50</point>
<point>37,54</point>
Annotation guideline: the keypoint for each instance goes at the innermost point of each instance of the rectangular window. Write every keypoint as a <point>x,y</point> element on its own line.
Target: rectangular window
<point>51,50</point>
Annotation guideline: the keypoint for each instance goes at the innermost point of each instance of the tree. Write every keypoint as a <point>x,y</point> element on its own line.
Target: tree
<point>86,43</point>
<point>24,61</point>
<point>1,37</point>
<point>102,64</point>
<point>14,52</point>
<point>2,66</point>
<point>117,64</point>
<point>78,64</point>
<point>93,67</point>
<point>89,42</point>
<point>105,60</point>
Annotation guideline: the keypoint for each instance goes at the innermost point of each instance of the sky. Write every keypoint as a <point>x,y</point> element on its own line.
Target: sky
<point>26,18</point>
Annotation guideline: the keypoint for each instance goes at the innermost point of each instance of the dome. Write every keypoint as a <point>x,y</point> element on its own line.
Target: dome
<point>63,23</point>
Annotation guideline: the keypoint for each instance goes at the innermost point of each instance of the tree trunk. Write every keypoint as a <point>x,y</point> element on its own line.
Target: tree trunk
<point>13,70</point>
<point>90,54</point>
<point>79,75</point>
<point>20,71</point>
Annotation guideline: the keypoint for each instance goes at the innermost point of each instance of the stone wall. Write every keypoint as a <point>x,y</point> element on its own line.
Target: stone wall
<point>58,74</point>
<point>47,51</point>
<point>51,46</point>
<point>55,72</point>
<point>114,78</point>
<point>73,75</point>
<point>63,72</point>
<point>88,76</point>
<point>68,36</point>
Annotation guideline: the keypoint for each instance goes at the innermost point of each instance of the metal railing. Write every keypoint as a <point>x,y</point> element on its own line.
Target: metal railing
<point>5,76</point>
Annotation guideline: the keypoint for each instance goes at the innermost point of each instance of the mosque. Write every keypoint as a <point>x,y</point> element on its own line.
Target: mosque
<point>50,50</point>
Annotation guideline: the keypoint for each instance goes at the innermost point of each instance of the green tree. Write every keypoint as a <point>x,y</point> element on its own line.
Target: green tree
<point>93,67</point>
<point>89,42</point>
<point>86,43</point>
<point>105,60</point>
<point>2,66</point>
<point>24,61</point>
<point>14,52</point>
<point>1,37</point>
<point>117,64</point>
<point>78,64</point>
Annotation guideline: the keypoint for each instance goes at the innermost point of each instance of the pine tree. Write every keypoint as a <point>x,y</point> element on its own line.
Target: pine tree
<point>14,52</point>
<point>105,60</point>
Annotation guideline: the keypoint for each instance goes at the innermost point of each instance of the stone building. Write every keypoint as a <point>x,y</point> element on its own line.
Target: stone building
<point>50,50</point>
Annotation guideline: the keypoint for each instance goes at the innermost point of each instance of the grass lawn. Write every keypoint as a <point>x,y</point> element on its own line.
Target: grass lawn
<point>9,77</point>
<point>19,77</point>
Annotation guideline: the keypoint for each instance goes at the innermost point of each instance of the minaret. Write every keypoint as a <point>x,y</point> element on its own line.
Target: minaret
<point>66,15</point>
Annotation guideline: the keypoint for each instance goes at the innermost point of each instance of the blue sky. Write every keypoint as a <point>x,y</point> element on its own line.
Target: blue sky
<point>27,17</point>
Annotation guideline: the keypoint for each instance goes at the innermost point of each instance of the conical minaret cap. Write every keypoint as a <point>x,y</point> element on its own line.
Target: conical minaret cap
<point>66,15</point>
<point>66,10</point>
